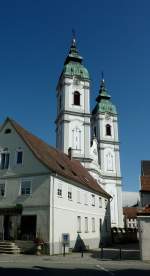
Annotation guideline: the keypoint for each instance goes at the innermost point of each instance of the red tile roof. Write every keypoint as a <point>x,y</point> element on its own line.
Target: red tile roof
<point>58,162</point>
<point>145,183</point>
<point>145,167</point>
<point>144,211</point>
<point>130,212</point>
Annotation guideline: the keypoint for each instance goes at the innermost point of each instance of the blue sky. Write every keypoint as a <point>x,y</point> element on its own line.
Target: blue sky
<point>112,36</point>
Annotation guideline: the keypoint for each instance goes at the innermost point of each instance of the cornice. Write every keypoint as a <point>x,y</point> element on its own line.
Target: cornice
<point>109,142</point>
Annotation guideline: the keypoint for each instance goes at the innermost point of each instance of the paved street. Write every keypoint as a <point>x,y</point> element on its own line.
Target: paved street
<point>89,264</point>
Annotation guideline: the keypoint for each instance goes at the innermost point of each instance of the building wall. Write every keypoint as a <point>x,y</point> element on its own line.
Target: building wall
<point>144,230</point>
<point>64,213</point>
<point>30,164</point>
<point>37,202</point>
<point>144,198</point>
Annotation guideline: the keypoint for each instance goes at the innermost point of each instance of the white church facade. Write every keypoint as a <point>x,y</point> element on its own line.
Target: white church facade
<point>92,136</point>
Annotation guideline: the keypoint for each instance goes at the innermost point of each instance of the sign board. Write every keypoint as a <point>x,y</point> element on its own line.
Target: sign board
<point>65,238</point>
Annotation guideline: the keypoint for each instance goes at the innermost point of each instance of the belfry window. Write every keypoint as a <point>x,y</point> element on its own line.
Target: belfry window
<point>108,130</point>
<point>76,99</point>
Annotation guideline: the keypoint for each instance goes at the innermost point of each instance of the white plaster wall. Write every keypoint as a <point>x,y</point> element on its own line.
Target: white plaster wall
<point>65,214</point>
<point>144,230</point>
<point>30,164</point>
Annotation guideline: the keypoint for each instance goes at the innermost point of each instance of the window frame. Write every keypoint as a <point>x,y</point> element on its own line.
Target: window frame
<point>93,225</point>
<point>23,180</point>
<point>69,193</point>
<point>3,183</point>
<point>76,98</point>
<point>100,202</point>
<point>93,199</point>
<point>6,161</point>
<point>108,130</point>
<point>59,190</point>
<point>17,152</point>
<point>79,229</point>
<point>86,228</point>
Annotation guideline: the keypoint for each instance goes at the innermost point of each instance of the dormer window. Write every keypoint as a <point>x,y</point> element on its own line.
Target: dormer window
<point>76,100</point>
<point>108,130</point>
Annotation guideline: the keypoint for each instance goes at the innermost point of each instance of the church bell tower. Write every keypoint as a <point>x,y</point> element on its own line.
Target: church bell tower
<point>73,107</point>
<point>104,123</point>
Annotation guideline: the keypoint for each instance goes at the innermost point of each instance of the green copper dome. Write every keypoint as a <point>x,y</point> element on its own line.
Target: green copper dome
<point>104,103</point>
<point>75,69</point>
<point>73,64</point>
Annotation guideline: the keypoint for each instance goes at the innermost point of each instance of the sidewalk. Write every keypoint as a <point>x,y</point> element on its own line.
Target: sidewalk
<point>92,257</point>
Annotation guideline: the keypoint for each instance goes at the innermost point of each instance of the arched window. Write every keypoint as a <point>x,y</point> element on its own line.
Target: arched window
<point>108,130</point>
<point>76,99</point>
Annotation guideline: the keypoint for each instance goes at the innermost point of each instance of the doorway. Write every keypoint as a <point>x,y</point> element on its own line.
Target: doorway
<point>28,227</point>
<point>7,227</point>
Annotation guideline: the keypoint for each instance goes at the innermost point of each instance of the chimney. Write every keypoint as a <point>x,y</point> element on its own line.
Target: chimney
<point>70,153</point>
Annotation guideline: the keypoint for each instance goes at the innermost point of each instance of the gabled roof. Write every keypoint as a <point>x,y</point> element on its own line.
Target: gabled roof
<point>56,161</point>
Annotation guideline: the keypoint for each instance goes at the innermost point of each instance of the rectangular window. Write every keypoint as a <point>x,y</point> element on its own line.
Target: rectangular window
<point>93,224</point>
<point>4,164</point>
<point>105,203</point>
<point>26,187</point>
<point>100,202</point>
<point>2,189</point>
<point>86,199</point>
<point>86,225</point>
<point>19,157</point>
<point>78,197</point>
<point>93,200</point>
<point>69,193</point>
<point>59,190</point>
<point>78,224</point>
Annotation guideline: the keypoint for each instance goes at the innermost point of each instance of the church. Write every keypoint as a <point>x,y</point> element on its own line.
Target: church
<point>71,192</point>
<point>91,135</point>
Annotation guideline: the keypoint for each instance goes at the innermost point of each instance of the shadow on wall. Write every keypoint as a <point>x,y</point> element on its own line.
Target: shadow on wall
<point>79,245</point>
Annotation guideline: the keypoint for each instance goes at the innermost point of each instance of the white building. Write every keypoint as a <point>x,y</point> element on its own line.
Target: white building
<point>45,193</point>
<point>130,199</point>
<point>93,136</point>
